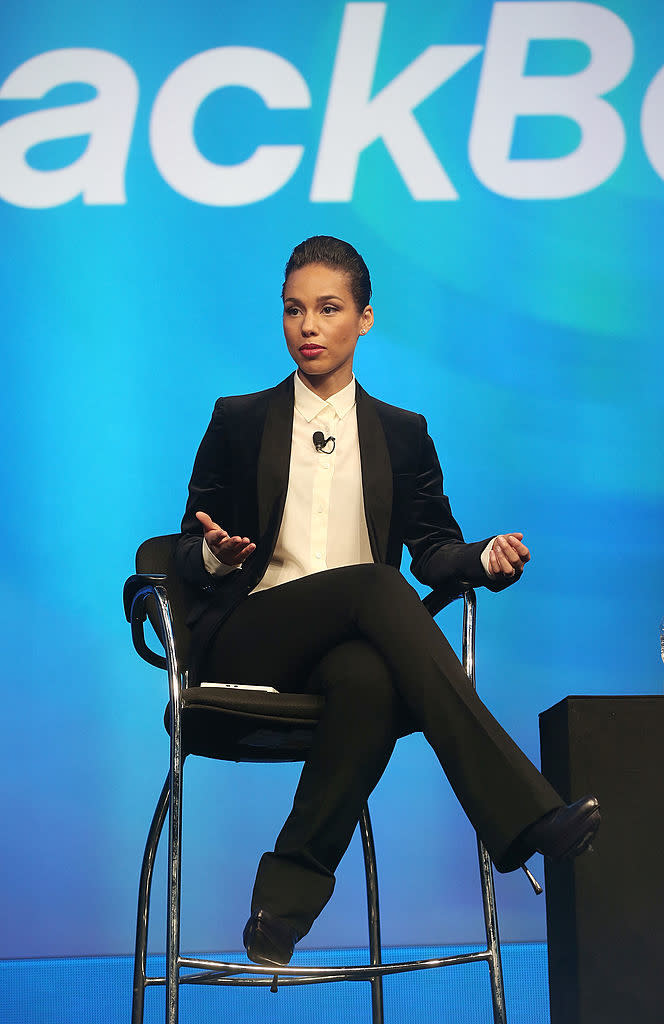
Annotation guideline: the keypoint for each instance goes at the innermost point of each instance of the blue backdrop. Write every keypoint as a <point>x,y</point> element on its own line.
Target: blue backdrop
<point>500,168</point>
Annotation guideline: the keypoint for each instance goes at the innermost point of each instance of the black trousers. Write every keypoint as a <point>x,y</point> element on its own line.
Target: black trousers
<point>361,636</point>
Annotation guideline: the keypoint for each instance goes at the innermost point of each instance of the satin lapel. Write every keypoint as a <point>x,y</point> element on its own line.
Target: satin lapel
<point>376,473</point>
<point>274,458</point>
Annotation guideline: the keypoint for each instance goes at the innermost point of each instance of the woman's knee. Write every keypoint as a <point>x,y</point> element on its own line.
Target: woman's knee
<point>356,673</point>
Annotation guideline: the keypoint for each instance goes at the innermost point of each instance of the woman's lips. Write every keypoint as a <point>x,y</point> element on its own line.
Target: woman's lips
<point>311,350</point>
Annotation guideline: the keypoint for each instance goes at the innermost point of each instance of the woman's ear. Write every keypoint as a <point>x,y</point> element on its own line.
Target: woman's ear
<point>366,320</point>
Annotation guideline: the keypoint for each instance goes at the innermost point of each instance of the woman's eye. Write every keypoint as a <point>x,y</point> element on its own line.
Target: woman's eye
<point>291,311</point>
<point>329,309</point>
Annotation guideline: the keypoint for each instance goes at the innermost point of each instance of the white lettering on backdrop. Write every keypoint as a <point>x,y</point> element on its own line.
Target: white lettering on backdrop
<point>505,93</point>
<point>352,121</point>
<point>180,162</point>
<point>651,122</point>
<point>108,120</point>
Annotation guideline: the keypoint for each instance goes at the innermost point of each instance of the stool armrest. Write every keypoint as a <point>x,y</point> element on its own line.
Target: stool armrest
<point>440,597</point>
<point>136,583</point>
<point>137,590</point>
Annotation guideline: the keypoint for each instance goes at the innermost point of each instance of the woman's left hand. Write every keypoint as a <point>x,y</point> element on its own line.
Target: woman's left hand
<point>508,556</point>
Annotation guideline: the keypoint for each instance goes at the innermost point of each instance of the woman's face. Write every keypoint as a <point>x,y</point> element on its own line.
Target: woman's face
<point>321,325</point>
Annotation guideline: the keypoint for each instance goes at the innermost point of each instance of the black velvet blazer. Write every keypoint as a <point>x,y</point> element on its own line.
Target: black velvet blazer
<point>240,479</point>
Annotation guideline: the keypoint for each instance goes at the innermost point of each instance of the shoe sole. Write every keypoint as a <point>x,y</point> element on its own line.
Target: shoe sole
<point>264,961</point>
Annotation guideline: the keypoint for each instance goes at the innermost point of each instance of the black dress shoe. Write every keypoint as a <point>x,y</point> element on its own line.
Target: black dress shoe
<point>566,831</point>
<point>268,940</point>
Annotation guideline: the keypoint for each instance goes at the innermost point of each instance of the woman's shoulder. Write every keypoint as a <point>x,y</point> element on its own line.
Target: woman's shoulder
<point>254,401</point>
<point>395,414</point>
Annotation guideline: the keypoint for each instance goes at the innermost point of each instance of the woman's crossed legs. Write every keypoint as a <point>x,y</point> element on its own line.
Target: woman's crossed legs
<point>361,636</point>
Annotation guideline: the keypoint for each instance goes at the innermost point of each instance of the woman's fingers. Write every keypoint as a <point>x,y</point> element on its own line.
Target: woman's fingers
<point>500,564</point>
<point>234,550</point>
<point>229,550</point>
<point>508,555</point>
<point>239,551</point>
<point>515,540</point>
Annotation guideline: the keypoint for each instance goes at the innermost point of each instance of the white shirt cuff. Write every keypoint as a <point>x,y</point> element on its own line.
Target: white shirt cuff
<point>484,558</point>
<point>213,565</point>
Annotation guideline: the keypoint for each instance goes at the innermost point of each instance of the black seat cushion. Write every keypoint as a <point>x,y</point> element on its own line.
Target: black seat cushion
<point>247,725</point>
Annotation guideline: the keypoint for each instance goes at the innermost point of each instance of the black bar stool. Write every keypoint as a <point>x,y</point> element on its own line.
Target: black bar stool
<point>247,725</point>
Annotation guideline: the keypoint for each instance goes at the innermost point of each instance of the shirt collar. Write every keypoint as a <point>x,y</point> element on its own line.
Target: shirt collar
<point>309,404</point>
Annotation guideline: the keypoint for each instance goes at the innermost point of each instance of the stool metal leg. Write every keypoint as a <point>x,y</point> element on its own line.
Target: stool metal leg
<point>492,935</point>
<point>373,909</point>
<point>176,679</point>
<point>143,913</point>
<point>486,869</point>
<point>174,874</point>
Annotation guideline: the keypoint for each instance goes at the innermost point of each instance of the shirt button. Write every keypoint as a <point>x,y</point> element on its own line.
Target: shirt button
<point>318,554</point>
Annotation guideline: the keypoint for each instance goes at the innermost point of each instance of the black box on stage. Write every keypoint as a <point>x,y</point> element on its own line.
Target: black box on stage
<point>605,909</point>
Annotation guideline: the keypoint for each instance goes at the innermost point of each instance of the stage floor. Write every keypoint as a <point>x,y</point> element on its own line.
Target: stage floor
<point>97,990</point>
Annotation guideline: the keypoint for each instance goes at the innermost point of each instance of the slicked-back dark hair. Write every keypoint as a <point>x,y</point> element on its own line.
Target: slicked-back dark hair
<point>333,252</point>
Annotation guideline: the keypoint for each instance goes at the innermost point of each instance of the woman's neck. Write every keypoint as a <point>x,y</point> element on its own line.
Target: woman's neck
<point>327,384</point>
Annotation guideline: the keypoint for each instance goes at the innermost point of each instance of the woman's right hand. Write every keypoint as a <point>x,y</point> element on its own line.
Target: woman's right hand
<point>229,550</point>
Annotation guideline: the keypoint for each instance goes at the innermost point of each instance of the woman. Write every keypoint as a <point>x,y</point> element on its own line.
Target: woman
<point>300,502</point>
